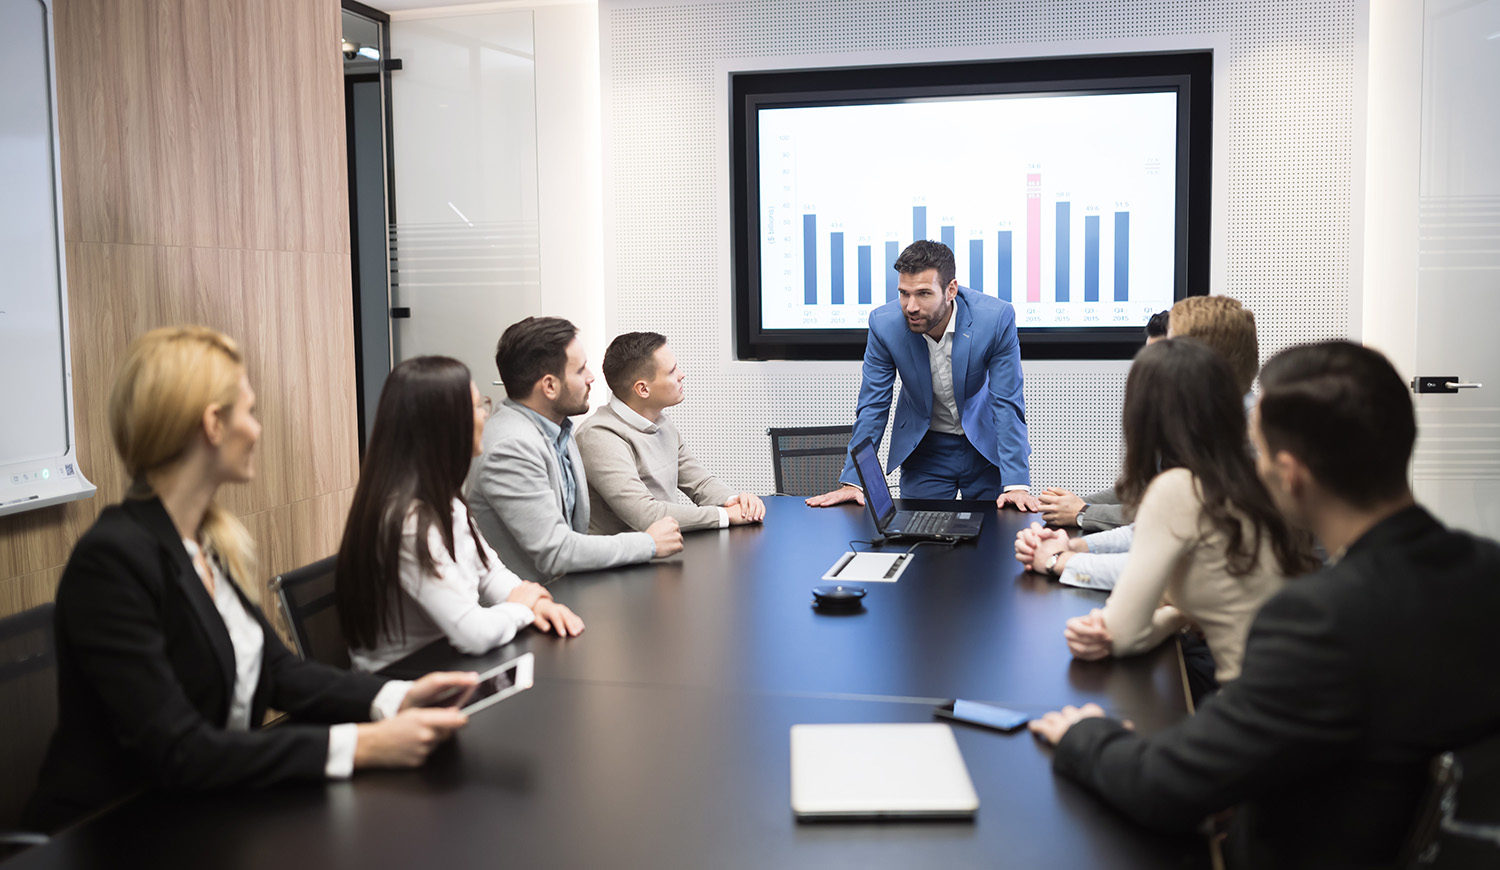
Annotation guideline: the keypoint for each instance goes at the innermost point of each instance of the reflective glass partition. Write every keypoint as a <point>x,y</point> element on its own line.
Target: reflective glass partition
<point>464,245</point>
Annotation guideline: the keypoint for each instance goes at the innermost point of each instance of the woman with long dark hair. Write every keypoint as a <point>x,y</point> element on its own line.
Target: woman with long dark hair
<point>165,667</point>
<point>1209,546</point>
<point>412,566</point>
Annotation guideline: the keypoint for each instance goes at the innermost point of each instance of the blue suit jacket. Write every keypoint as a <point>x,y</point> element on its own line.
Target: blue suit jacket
<point>986,384</point>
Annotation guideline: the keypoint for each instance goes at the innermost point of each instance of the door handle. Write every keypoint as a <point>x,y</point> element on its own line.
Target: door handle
<point>1440,384</point>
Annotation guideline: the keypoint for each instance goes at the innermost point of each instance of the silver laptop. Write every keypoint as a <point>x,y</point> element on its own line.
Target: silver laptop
<point>879,771</point>
<point>933,525</point>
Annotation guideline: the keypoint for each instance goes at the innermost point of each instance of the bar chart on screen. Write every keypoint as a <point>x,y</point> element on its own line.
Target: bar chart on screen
<point>1063,206</point>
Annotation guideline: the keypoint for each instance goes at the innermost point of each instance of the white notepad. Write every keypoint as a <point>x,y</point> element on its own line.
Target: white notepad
<point>855,567</point>
<point>902,770</point>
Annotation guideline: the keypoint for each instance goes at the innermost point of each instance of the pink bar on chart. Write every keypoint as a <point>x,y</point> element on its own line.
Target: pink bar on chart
<point>1034,237</point>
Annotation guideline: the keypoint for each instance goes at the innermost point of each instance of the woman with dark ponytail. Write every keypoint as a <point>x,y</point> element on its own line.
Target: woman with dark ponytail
<point>412,566</point>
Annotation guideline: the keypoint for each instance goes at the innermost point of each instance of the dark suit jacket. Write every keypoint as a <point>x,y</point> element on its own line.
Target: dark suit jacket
<point>145,672</point>
<point>986,385</point>
<point>1354,678</point>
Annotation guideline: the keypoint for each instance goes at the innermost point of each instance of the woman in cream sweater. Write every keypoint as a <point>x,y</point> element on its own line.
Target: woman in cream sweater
<point>1209,545</point>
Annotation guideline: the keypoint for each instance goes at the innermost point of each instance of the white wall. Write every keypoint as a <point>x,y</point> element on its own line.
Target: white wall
<point>1288,134</point>
<point>1387,307</point>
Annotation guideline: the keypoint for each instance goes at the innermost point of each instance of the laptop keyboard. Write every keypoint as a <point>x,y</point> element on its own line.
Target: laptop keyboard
<point>925,522</point>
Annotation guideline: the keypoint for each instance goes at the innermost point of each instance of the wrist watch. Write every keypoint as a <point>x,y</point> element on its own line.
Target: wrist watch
<point>1052,562</point>
<point>1079,515</point>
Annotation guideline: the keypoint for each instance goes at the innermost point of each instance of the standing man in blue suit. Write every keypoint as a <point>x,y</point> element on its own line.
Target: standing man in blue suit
<point>961,420</point>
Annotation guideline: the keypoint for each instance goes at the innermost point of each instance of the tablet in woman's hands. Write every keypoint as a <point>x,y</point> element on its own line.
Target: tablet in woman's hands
<point>499,683</point>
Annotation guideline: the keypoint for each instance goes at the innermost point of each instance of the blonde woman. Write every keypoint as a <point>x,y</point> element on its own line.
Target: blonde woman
<point>165,668</point>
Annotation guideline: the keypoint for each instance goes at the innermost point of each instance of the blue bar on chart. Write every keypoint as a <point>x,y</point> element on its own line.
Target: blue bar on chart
<point>976,265</point>
<point>947,237</point>
<point>810,259</point>
<point>1122,256</point>
<point>918,222</point>
<point>1002,263</point>
<point>1091,258</point>
<point>864,274</point>
<point>891,252</point>
<point>1064,255</point>
<point>836,266</point>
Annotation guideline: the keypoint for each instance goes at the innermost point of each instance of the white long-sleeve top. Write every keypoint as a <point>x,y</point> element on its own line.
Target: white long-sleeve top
<point>460,599</point>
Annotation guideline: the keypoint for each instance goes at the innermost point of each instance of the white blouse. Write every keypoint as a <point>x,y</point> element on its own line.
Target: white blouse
<point>461,599</point>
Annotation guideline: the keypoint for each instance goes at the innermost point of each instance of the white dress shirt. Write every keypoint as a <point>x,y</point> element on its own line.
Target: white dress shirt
<point>249,644</point>
<point>945,414</point>
<point>462,599</point>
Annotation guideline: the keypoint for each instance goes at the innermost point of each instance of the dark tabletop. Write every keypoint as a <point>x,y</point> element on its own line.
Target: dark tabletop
<point>660,738</point>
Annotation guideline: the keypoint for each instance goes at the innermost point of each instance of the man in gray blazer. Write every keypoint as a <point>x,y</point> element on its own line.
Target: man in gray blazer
<point>527,491</point>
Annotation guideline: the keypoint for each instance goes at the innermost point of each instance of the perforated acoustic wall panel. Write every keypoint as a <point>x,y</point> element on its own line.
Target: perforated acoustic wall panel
<point>1284,152</point>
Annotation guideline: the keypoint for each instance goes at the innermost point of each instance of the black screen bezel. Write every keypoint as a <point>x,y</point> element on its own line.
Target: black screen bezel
<point>1189,74</point>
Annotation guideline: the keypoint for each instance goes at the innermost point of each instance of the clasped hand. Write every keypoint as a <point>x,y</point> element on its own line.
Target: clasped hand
<point>1088,637</point>
<point>1036,545</point>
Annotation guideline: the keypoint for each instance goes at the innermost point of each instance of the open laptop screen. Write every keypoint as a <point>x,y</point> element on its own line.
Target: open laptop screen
<point>873,478</point>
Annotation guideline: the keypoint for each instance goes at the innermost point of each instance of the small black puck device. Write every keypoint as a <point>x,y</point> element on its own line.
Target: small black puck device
<point>841,598</point>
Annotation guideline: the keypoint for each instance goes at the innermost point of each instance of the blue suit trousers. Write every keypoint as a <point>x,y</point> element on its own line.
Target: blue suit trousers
<point>943,465</point>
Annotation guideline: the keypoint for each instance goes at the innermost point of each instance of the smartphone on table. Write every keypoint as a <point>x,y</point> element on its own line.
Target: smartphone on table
<point>986,715</point>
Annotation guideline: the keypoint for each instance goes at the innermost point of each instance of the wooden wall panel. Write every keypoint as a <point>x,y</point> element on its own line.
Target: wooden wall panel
<point>204,182</point>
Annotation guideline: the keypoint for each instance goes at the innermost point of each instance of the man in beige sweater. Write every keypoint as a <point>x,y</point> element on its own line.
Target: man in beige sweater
<point>634,456</point>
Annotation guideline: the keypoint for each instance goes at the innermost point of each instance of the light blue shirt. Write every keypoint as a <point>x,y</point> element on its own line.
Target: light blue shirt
<point>558,437</point>
<point>1102,565</point>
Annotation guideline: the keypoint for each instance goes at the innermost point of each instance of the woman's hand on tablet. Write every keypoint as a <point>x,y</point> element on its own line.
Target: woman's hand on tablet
<point>441,689</point>
<point>406,739</point>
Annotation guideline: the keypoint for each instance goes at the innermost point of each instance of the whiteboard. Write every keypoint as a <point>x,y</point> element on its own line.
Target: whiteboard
<point>38,465</point>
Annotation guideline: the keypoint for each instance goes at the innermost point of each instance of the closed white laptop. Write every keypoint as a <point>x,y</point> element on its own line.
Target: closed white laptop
<point>902,770</point>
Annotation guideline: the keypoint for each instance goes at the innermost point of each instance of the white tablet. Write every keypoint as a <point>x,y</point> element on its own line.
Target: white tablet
<point>499,683</point>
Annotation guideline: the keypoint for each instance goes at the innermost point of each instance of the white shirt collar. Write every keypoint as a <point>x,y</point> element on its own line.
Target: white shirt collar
<point>629,415</point>
<point>949,329</point>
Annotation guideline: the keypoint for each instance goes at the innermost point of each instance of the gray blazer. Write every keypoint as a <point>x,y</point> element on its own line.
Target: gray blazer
<point>515,495</point>
<point>1104,512</point>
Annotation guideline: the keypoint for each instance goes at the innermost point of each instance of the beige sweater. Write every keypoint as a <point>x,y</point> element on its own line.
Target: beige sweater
<point>635,470</point>
<point>1177,574</point>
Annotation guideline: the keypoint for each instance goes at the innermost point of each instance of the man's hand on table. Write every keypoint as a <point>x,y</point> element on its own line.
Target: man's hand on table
<point>843,494</point>
<point>1051,727</point>
<point>745,508</point>
<point>1019,499</point>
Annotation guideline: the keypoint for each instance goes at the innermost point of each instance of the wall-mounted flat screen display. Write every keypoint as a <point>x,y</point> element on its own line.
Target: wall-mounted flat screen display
<point>1072,189</point>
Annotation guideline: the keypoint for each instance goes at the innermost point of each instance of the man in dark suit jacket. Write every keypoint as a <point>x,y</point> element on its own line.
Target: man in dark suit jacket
<point>961,419</point>
<point>1354,677</point>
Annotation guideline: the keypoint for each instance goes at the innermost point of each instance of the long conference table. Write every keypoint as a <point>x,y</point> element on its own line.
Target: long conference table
<point>660,738</point>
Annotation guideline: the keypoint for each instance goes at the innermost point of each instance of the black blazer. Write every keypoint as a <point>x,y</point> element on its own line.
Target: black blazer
<point>1353,679</point>
<point>145,673</point>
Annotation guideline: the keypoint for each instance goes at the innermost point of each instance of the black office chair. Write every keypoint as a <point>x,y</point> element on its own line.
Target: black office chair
<point>306,600</point>
<point>28,692</point>
<point>808,459</point>
<point>1459,821</point>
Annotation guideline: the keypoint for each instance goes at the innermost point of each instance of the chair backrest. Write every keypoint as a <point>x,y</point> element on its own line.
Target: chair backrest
<point>28,694</point>
<point>306,600</point>
<point>808,459</point>
<point>1458,823</point>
